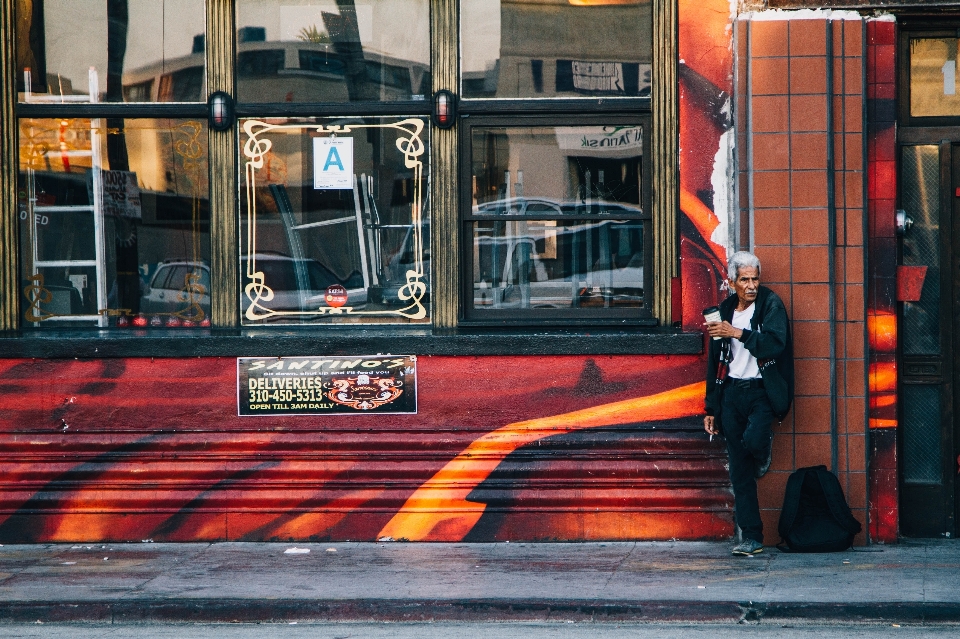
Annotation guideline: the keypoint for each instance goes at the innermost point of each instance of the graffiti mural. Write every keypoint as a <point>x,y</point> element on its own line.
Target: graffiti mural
<point>139,449</point>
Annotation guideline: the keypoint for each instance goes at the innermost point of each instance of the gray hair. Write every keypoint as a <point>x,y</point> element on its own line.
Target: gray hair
<point>739,260</point>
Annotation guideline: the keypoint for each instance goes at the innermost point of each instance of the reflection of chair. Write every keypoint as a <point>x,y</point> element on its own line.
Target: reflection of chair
<point>65,300</point>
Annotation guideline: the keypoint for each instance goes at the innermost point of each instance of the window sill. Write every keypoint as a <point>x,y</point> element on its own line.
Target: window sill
<point>348,341</point>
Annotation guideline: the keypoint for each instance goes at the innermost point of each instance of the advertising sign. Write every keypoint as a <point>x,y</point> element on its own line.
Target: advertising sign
<point>351,385</point>
<point>333,163</point>
<point>121,194</point>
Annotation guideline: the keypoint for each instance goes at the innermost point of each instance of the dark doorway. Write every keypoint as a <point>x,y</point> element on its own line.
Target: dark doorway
<point>929,208</point>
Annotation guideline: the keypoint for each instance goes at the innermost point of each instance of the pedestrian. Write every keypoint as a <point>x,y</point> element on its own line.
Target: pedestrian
<point>749,383</point>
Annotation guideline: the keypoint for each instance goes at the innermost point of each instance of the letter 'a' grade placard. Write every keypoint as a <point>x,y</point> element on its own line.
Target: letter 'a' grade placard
<point>333,163</point>
<point>352,385</point>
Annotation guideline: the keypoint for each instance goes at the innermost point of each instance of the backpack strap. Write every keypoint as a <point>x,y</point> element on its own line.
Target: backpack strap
<point>833,493</point>
<point>791,502</point>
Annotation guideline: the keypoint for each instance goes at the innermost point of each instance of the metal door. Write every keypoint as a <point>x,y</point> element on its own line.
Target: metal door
<point>928,182</point>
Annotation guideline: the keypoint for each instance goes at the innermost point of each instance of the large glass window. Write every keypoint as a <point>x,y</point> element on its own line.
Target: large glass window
<point>334,226</point>
<point>327,51</point>
<point>114,223</point>
<point>557,223</point>
<point>332,104</point>
<point>110,51</point>
<point>555,48</point>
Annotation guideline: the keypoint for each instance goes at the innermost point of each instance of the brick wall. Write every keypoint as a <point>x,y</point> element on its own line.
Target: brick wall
<point>800,95</point>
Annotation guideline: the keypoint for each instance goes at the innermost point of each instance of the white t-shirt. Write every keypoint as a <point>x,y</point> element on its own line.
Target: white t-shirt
<point>744,365</point>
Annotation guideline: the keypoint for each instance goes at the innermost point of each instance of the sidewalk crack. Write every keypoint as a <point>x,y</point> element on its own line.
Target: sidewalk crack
<point>141,586</point>
<point>616,568</point>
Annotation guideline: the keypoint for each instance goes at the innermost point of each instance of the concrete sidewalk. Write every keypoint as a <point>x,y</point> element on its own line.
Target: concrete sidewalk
<point>688,581</point>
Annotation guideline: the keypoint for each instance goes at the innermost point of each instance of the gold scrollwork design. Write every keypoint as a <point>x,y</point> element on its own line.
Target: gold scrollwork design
<point>188,145</point>
<point>191,294</point>
<point>255,150</point>
<point>37,294</point>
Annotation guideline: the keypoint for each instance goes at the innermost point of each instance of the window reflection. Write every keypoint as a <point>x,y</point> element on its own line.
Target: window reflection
<point>557,221</point>
<point>933,77</point>
<point>110,51</point>
<point>550,264</point>
<point>580,170</point>
<point>114,223</point>
<point>555,48</point>
<point>333,51</point>
<point>334,227</point>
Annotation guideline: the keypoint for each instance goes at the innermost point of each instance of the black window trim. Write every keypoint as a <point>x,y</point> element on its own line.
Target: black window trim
<point>919,26</point>
<point>581,318</point>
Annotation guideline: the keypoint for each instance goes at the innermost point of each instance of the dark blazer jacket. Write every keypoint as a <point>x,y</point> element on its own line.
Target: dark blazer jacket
<point>769,340</point>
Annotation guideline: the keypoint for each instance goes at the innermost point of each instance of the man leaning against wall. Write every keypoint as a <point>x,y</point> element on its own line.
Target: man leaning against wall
<point>749,384</point>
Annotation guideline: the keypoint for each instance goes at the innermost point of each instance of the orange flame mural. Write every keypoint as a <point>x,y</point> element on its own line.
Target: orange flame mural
<point>439,510</point>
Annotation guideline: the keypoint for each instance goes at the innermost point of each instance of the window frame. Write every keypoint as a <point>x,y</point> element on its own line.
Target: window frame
<point>909,28</point>
<point>472,317</point>
<point>398,109</point>
<point>105,111</point>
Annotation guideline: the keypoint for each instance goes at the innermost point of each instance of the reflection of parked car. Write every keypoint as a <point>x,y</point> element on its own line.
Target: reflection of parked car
<point>300,285</point>
<point>165,293</point>
<point>534,206</point>
<point>522,278</point>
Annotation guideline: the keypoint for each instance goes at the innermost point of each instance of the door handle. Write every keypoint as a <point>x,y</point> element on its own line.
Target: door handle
<point>902,222</point>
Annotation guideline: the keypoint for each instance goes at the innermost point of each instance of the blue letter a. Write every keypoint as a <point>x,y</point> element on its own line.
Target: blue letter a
<point>333,159</point>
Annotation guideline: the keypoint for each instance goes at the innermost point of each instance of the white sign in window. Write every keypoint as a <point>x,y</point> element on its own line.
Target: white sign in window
<point>333,163</point>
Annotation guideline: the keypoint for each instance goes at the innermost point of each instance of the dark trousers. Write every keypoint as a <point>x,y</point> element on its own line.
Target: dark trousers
<point>745,418</point>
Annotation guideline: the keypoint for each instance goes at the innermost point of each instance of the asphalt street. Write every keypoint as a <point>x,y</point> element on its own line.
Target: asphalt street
<point>557,630</point>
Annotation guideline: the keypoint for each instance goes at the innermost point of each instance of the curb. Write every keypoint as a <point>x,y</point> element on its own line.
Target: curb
<point>135,611</point>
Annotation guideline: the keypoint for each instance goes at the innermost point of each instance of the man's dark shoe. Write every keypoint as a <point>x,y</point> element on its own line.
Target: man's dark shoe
<point>747,548</point>
<point>764,466</point>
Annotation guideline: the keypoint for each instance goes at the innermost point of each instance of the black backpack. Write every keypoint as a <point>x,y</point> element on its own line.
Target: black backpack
<point>815,515</point>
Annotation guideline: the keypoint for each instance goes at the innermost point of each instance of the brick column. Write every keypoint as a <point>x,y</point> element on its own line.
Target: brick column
<point>802,166</point>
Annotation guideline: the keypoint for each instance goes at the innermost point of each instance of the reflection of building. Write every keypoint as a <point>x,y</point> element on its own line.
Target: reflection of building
<point>295,71</point>
<point>546,260</point>
<point>542,54</point>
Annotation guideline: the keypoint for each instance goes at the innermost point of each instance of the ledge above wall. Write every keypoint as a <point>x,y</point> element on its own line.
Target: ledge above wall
<point>338,341</point>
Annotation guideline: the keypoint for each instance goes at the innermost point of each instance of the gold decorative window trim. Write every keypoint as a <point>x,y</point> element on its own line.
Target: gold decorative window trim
<point>254,283</point>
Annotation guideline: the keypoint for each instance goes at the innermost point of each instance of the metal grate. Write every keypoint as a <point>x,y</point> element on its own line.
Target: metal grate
<point>921,434</point>
<point>920,195</point>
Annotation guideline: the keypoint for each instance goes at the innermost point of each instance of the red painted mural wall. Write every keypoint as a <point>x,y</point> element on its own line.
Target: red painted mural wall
<point>502,448</point>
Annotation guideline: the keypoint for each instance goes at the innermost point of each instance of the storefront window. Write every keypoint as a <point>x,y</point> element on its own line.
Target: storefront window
<point>557,222</point>
<point>333,223</point>
<point>933,77</point>
<point>114,223</point>
<point>326,51</point>
<point>72,51</point>
<point>555,48</point>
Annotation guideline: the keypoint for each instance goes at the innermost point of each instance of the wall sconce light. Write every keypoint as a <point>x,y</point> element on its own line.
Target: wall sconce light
<point>444,109</point>
<point>221,111</point>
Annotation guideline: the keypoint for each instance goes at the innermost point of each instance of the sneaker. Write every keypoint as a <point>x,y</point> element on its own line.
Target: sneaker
<point>747,548</point>
<point>764,466</point>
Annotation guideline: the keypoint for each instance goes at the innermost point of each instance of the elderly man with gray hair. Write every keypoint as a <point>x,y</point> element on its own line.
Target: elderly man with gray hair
<point>749,383</point>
